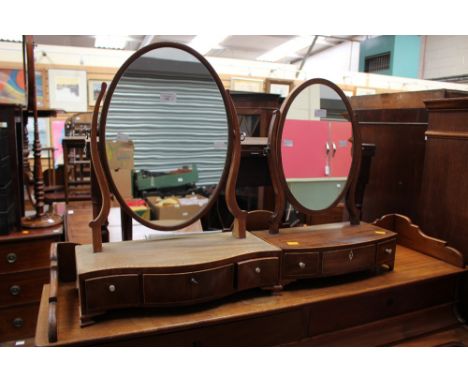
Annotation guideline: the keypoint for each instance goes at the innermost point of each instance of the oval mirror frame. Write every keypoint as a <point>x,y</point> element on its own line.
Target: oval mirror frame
<point>231,125</point>
<point>356,155</point>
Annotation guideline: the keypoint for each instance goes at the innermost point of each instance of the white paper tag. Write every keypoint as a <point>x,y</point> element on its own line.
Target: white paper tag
<point>20,343</point>
<point>320,113</point>
<point>168,97</point>
<point>288,143</point>
<point>71,212</point>
<point>122,137</point>
<point>219,144</point>
<point>327,170</point>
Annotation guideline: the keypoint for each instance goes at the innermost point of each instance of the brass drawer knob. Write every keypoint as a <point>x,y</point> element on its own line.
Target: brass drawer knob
<point>11,258</point>
<point>112,288</point>
<point>193,280</point>
<point>389,250</point>
<point>301,265</point>
<point>258,270</point>
<point>18,322</point>
<point>15,290</point>
<point>351,255</point>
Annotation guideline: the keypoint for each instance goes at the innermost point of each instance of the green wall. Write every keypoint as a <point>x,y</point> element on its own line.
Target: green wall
<point>404,54</point>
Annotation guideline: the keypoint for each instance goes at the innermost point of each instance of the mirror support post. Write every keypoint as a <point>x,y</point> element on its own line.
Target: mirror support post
<point>240,216</point>
<point>100,177</point>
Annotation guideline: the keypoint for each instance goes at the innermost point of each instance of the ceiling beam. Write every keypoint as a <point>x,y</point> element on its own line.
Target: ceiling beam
<point>146,41</point>
<point>311,47</point>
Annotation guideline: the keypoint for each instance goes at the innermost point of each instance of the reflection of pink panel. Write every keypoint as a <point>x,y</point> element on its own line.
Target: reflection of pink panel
<point>58,131</point>
<point>303,148</point>
<point>341,133</point>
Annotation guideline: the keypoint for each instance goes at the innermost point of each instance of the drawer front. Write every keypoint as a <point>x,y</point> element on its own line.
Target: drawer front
<point>348,260</point>
<point>301,264</point>
<point>175,288</point>
<point>22,287</point>
<point>386,253</point>
<point>18,322</point>
<point>336,314</point>
<point>25,255</point>
<point>268,330</point>
<point>109,292</point>
<point>257,273</point>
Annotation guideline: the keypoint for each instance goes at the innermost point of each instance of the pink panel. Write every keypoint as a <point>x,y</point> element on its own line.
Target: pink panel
<point>58,132</point>
<point>341,133</point>
<point>303,148</point>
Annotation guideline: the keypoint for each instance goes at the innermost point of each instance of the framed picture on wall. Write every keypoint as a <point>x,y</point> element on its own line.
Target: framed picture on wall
<point>67,90</point>
<point>12,87</point>
<point>94,87</point>
<point>247,85</point>
<point>283,88</point>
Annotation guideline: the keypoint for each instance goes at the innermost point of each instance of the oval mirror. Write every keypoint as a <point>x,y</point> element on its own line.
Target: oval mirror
<point>316,146</point>
<point>166,125</point>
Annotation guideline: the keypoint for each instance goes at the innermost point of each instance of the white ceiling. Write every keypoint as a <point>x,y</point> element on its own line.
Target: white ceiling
<point>248,47</point>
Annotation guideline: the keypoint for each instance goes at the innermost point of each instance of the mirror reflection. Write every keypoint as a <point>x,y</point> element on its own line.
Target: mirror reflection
<point>166,136</point>
<point>316,147</point>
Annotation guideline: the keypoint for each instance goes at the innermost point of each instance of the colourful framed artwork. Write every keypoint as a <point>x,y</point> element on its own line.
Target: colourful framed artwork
<point>94,88</point>
<point>44,134</point>
<point>68,90</point>
<point>12,87</point>
<point>279,87</point>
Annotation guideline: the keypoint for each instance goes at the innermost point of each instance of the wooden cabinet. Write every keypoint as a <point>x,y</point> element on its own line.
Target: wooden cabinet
<point>24,269</point>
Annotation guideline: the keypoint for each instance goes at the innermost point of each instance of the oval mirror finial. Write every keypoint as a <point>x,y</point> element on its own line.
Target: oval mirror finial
<point>167,131</point>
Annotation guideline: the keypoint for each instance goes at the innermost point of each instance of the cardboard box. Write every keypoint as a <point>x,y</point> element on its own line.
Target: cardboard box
<point>123,181</point>
<point>120,155</point>
<point>175,208</point>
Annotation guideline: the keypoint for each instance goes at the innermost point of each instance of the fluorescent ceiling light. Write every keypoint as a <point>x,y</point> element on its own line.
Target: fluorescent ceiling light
<point>111,42</point>
<point>204,43</point>
<point>288,49</point>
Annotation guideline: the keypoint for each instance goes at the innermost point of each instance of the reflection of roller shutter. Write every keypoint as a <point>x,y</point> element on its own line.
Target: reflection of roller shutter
<point>168,133</point>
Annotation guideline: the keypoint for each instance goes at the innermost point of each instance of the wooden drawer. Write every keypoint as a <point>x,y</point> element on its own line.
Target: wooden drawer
<point>22,287</point>
<point>341,313</point>
<point>175,288</point>
<point>298,265</point>
<point>18,322</point>
<point>257,273</point>
<point>348,260</point>
<point>386,253</point>
<point>25,255</point>
<point>109,292</point>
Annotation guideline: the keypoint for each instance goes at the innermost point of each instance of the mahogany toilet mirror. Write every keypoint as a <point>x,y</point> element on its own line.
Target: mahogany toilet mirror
<point>167,127</point>
<point>316,151</point>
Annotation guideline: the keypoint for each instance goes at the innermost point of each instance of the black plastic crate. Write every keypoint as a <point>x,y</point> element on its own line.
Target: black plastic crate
<point>7,221</point>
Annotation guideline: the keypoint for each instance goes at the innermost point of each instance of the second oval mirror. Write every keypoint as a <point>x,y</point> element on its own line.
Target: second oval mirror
<point>316,146</point>
<point>167,137</point>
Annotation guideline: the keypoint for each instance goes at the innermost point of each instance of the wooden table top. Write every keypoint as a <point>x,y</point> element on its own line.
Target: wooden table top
<point>410,267</point>
<point>324,236</point>
<point>171,251</point>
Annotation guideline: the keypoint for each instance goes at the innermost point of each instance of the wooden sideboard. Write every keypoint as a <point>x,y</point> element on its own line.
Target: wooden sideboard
<point>423,299</point>
<point>24,268</point>
<point>396,123</point>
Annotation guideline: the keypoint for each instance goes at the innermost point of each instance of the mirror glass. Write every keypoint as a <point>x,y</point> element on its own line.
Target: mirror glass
<point>316,147</point>
<point>166,136</point>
